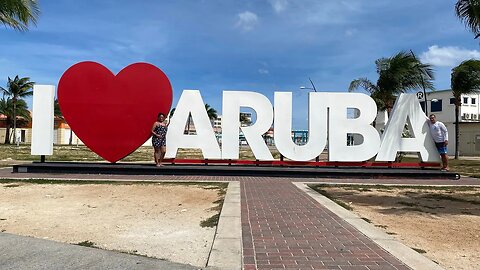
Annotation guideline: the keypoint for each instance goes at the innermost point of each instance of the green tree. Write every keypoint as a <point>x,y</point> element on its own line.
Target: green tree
<point>398,74</point>
<point>468,11</point>
<point>465,80</point>
<point>19,14</point>
<point>211,112</point>
<point>7,109</point>
<point>16,89</point>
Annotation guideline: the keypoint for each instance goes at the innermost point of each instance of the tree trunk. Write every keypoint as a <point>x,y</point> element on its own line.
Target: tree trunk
<point>71,137</point>
<point>7,134</point>
<point>457,127</point>
<point>188,124</point>
<point>14,120</point>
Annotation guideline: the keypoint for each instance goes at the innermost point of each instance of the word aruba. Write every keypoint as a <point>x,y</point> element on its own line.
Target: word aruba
<point>327,116</point>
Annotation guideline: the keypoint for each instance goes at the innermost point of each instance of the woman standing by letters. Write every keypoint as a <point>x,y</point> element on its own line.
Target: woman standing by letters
<point>159,139</point>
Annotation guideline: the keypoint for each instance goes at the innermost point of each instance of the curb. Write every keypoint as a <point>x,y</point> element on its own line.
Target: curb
<point>227,245</point>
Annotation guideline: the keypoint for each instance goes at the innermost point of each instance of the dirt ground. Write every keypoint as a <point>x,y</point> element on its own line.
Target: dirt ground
<point>442,223</point>
<point>156,220</point>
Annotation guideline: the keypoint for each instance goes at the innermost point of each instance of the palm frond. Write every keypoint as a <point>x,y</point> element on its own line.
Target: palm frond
<point>468,11</point>
<point>364,83</point>
<point>19,14</point>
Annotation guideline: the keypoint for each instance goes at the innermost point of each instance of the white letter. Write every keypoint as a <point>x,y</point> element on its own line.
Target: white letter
<point>407,107</point>
<point>232,101</point>
<point>317,127</point>
<point>191,102</point>
<point>42,120</point>
<point>340,126</point>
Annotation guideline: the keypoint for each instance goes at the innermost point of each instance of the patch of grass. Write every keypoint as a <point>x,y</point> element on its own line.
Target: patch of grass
<point>211,221</point>
<point>367,220</point>
<point>407,204</point>
<point>361,189</point>
<point>382,226</point>
<point>390,187</point>
<point>416,209</point>
<point>326,194</point>
<point>12,185</point>
<point>86,244</point>
<point>421,251</point>
<point>449,198</point>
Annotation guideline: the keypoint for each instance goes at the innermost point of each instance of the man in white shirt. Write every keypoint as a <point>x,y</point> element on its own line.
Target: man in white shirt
<point>440,136</point>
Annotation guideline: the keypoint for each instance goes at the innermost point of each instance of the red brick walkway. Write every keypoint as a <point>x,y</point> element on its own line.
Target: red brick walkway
<point>283,228</point>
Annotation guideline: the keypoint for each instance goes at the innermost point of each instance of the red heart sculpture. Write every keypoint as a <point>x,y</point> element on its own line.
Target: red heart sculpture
<point>113,115</point>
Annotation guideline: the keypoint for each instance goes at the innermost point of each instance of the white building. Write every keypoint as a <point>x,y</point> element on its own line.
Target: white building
<point>442,104</point>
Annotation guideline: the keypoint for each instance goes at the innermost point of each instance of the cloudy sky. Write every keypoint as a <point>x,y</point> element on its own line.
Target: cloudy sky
<point>256,45</point>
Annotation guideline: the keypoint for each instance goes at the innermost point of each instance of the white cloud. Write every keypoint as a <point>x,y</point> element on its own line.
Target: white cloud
<point>279,5</point>
<point>350,32</point>
<point>447,56</point>
<point>263,71</point>
<point>246,20</point>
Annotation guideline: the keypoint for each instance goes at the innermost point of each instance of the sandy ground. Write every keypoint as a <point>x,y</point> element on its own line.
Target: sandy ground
<point>442,223</point>
<point>156,220</point>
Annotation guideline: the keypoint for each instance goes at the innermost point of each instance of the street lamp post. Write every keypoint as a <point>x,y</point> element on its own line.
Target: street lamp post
<point>310,88</point>
<point>423,87</point>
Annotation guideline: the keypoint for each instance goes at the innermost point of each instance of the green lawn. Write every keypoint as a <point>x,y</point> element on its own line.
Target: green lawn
<point>82,153</point>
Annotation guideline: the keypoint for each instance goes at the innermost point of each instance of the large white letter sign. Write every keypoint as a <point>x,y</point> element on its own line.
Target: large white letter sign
<point>406,108</point>
<point>340,126</point>
<point>191,102</point>
<point>232,101</point>
<point>42,121</point>
<point>317,127</point>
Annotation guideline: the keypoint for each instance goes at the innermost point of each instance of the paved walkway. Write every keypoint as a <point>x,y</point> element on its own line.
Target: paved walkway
<point>284,228</point>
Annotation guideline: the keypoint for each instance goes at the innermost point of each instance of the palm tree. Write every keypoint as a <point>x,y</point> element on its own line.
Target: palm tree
<point>398,74</point>
<point>6,108</point>
<point>18,14</point>
<point>465,80</point>
<point>468,11</point>
<point>211,112</point>
<point>17,88</point>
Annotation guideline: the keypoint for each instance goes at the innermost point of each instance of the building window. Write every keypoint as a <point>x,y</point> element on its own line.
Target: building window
<point>474,101</point>
<point>465,100</point>
<point>436,106</point>
<point>452,100</point>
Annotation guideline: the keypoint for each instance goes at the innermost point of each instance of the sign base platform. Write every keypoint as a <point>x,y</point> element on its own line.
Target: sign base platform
<point>207,169</point>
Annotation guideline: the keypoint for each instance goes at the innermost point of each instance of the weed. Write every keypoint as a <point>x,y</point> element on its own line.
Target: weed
<point>408,204</point>
<point>382,226</point>
<point>419,250</point>
<point>439,197</point>
<point>326,194</point>
<point>11,185</point>
<point>367,220</point>
<point>86,244</point>
<point>211,221</point>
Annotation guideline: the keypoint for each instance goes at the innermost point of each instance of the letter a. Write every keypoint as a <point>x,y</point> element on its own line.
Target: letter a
<point>191,103</point>
<point>407,107</point>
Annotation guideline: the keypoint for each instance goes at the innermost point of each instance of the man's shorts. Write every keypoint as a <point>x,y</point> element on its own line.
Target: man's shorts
<point>441,147</point>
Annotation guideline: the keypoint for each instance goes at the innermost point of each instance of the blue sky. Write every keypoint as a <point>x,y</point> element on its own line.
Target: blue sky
<point>256,45</point>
